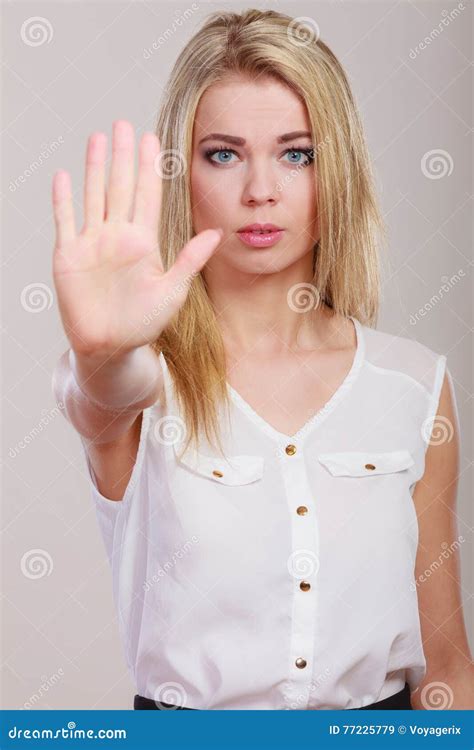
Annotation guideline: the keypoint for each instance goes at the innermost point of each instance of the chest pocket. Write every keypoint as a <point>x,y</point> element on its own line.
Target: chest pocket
<point>366,463</point>
<point>234,470</point>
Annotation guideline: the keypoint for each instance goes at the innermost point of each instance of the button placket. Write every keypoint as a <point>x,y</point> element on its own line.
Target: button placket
<point>302,566</point>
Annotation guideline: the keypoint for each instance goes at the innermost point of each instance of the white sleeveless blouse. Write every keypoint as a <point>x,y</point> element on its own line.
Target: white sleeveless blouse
<point>282,577</point>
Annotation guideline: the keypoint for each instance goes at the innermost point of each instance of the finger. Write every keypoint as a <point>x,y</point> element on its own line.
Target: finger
<point>63,208</point>
<point>94,185</point>
<point>194,256</point>
<point>148,191</point>
<point>122,169</point>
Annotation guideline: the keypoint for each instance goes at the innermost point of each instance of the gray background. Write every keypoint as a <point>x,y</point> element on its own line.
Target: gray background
<point>60,644</point>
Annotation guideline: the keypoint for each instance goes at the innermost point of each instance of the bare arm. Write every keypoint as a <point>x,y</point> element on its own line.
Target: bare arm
<point>109,280</point>
<point>102,399</point>
<point>449,669</point>
<point>112,434</point>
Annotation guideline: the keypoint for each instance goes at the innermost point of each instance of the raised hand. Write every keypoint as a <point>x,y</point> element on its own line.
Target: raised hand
<point>109,277</point>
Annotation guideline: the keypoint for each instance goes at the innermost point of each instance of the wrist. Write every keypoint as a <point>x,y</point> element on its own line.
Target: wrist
<point>119,383</point>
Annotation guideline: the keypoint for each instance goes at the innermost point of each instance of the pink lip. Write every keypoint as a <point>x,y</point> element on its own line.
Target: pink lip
<point>257,240</point>
<point>256,227</point>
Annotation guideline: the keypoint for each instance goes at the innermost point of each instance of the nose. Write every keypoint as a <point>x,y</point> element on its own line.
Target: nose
<point>260,185</point>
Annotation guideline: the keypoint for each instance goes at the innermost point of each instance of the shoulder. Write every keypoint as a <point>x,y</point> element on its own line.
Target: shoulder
<point>406,356</point>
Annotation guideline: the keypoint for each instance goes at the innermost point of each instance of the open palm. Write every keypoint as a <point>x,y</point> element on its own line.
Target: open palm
<point>113,294</point>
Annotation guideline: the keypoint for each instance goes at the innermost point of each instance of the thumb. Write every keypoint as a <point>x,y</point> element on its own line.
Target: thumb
<point>194,256</point>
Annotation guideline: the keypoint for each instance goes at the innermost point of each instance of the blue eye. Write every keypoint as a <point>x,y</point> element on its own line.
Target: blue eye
<point>308,152</point>
<point>225,152</point>
<point>209,153</point>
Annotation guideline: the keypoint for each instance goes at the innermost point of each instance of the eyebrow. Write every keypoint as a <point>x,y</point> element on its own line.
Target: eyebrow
<point>236,141</point>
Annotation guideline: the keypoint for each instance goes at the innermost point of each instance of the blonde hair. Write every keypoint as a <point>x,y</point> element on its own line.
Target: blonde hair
<point>346,265</point>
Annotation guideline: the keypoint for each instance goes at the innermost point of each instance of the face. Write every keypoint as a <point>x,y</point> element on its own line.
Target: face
<point>252,164</point>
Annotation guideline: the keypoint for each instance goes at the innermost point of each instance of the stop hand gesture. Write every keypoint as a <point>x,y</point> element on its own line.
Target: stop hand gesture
<point>110,277</point>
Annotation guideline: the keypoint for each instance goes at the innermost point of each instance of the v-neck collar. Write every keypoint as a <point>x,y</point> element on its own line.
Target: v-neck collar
<point>322,413</point>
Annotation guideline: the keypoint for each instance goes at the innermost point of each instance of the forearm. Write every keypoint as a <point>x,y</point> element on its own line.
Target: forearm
<point>120,383</point>
<point>102,398</point>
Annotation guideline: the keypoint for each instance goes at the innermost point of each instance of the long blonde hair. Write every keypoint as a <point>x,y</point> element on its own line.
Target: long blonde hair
<point>346,263</point>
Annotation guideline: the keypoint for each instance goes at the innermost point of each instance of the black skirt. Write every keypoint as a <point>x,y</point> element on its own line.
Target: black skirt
<point>400,700</point>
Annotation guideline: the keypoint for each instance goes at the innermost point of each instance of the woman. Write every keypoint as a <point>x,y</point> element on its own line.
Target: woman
<point>262,460</point>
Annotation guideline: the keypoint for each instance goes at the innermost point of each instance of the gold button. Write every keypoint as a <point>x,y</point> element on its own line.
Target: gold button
<point>301,510</point>
<point>369,466</point>
<point>290,449</point>
<point>305,586</point>
<point>300,663</point>
<point>217,473</point>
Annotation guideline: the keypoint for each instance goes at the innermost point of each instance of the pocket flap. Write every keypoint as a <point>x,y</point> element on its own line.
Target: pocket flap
<point>366,463</point>
<point>233,470</point>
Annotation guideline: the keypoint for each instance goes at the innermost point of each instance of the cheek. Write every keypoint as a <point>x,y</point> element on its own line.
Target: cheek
<point>197,188</point>
<point>302,192</point>
<point>210,194</point>
<point>302,198</point>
